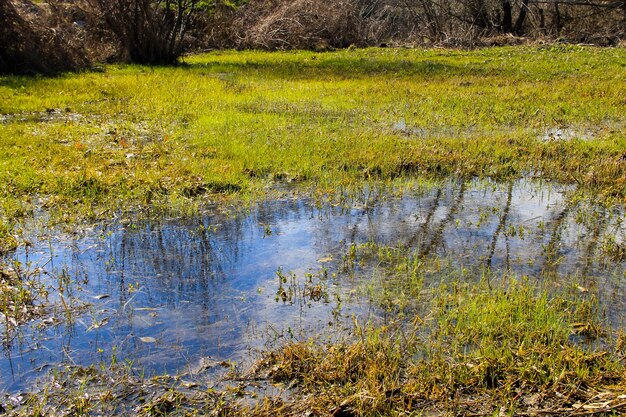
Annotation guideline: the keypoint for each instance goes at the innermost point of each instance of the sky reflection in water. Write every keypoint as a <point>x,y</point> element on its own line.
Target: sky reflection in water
<point>206,287</point>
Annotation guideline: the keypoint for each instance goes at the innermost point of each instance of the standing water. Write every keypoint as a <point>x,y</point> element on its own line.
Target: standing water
<point>165,295</point>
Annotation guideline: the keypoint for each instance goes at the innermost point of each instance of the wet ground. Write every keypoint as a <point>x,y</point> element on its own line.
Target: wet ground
<point>188,295</point>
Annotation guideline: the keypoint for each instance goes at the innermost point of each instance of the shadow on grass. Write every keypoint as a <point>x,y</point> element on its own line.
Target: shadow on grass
<point>318,66</point>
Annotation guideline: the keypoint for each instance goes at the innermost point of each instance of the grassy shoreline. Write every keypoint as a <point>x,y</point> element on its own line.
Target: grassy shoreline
<point>233,123</point>
<point>240,125</point>
<point>472,349</point>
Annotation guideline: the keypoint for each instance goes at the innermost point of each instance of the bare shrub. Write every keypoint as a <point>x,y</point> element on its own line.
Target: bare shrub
<point>319,24</point>
<point>148,31</point>
<point>601,22</point>
<point>38,38</point>
<point>275,24</point>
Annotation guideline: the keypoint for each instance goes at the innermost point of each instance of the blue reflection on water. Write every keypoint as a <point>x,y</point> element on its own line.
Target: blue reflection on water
<point>164,294</point>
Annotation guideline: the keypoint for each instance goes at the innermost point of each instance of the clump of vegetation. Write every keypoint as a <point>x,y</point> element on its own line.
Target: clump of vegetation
<point>8,242</point>
<point>148,31</point>
<point>315,24</point>
<point>478,350</point>
<point>38,38</point>
<point>20,297</point>
<point>106,390</point>
<point>50,37</point>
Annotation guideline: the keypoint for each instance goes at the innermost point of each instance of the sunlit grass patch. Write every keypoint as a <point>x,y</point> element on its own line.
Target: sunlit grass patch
<point>478,349</point>
<point>234,122</point>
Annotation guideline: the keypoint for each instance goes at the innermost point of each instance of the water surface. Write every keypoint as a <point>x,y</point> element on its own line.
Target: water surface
<point>166,295</point>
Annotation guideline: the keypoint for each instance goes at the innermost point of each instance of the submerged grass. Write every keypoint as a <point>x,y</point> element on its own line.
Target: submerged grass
<point>517,349</point>
<point>22,297</point>
<point>8,242</point>
<point>132,137</point>
<point>477,351</point>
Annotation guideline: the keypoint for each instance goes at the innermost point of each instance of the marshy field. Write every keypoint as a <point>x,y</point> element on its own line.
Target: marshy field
<point>364,232</point>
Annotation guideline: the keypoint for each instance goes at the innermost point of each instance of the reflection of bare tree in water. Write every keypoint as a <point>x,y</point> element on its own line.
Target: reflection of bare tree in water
<point>599,228</point>
<point>169,260</point>
<point>181,261</point>
<point>423,229</point>
<point>122,288</point>
<point>437,234</point>
<point>502,226</point>
<point>275,212</point>
<point>551,249</point>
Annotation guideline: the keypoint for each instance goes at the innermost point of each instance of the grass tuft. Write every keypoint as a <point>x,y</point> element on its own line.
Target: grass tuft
<point>477,349</point>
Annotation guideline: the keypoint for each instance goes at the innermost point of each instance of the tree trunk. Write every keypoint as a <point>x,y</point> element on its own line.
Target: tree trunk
<point>557,18</point>
<point>519,23</point>
<point>507,17</point>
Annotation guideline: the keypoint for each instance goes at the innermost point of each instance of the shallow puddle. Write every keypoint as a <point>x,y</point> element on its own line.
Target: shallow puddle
<point>188,296</point>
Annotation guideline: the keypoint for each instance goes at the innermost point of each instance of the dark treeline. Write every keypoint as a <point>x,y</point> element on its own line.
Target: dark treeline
<point>278,24</point>
<point>55,35</point>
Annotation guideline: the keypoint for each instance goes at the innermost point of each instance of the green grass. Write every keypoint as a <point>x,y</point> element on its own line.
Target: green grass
<point>233,123</point>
